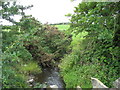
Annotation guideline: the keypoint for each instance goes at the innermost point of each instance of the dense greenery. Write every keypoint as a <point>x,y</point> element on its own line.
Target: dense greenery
<point>16,58</point>
<point>89,48</point>
<point>26,45</point>
<point>9,10</point>
<point>95,45</point>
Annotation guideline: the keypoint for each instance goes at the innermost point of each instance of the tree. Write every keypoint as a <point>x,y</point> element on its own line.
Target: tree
<point>10,9</point>
<point>101,46</point>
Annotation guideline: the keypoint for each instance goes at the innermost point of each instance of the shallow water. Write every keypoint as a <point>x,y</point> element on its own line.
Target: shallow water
<point>50,76</point>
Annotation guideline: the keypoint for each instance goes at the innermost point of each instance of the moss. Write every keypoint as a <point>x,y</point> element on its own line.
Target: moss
<point>31,67</point>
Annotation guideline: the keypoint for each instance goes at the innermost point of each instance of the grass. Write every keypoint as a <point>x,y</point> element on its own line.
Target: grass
<point>62,27</point>
<point>31,67</point>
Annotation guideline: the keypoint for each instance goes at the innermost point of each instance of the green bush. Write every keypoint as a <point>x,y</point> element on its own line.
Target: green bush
<point>14,57</point>
<point>28,45</point>
<point>99,48</point>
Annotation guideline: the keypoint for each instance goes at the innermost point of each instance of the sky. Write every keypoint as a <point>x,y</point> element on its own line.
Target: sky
<point>51,11</point>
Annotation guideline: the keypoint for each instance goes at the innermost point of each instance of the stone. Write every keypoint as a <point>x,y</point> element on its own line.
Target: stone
<point>97,84</point>
<point>79,88</point>
<point>53,86</point>
<point>30,81</point>
<point>116,83</point>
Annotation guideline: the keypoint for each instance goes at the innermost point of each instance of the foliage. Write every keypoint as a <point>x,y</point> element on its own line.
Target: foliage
<point>26,45</point>
<point>12,78</point>
<point>80,76</point>
<point>93,39</point>
<point>31,67</point>
<point>14,53</point>
<point>99,48</point>
<point>10,9</point>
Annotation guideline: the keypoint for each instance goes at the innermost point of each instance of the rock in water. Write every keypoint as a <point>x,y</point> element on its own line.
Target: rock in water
<point>79,88</point>
<point>116,83</point>
<point>97,84</point>
<point>53,86</point>
<point>30,81</point>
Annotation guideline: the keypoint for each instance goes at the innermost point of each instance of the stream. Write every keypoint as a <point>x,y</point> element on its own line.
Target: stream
<point>50,76</point>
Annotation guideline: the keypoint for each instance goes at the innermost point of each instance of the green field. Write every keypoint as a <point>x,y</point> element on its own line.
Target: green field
<point>62,27</point>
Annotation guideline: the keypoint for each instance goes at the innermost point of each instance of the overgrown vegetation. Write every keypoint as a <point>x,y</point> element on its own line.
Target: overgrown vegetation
<point>89,48</point>
<point>26,45</point>
<point>16,58</point>
<point>96,52</point>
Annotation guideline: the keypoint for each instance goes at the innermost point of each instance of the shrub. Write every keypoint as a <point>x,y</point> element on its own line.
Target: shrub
<point>98,49</point>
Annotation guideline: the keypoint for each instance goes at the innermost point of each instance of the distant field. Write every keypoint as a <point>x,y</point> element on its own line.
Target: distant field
<point>62,27</point>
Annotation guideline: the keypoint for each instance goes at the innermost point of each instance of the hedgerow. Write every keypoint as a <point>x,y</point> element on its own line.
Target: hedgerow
<point>98,51</point>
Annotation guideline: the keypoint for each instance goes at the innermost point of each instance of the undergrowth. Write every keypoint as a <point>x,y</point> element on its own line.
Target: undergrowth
<point>27,48</point>
<point>96,54</point>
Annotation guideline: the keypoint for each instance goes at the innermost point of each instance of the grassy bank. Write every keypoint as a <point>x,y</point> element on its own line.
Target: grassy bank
<point>96,54</point>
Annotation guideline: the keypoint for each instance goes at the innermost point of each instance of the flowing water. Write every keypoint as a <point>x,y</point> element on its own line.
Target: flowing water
<point>50,76</point>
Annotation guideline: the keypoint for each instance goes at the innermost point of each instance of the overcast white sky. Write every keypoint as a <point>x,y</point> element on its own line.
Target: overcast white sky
<point>51,11</point>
